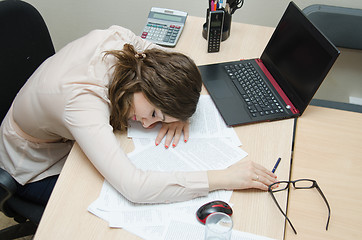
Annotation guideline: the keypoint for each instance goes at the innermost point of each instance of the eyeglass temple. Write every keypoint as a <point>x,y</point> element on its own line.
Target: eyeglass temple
<point>325,200</point>
<point>281,210</point>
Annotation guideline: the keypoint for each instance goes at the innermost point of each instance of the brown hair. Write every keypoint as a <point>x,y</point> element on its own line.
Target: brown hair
<point>170,81</point>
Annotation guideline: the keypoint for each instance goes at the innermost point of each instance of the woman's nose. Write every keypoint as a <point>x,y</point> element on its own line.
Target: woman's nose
<point>147,122</point>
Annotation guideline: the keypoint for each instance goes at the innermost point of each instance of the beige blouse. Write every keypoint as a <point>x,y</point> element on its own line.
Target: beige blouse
<point>66,99</point>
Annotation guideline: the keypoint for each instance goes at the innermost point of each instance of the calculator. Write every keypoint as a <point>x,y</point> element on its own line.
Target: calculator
<point>164,26</point>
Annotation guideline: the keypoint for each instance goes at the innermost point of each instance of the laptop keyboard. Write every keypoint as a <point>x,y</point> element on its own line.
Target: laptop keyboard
<point>256,94</point>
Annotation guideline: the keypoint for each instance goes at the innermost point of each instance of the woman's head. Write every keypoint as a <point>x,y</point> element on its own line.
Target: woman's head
<point>170,81</point>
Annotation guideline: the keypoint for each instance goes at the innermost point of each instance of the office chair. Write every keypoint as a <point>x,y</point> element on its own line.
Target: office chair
<point>342,26</point>
<point>24,44</point>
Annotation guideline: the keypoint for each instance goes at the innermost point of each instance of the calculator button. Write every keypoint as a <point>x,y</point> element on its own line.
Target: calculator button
<point>161,33</point>
<point>144,35</point>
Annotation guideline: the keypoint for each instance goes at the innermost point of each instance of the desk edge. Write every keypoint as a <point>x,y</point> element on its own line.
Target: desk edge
<point>336,105</point>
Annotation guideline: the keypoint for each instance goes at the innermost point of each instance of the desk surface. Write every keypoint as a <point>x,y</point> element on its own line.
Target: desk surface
<point>66,215</point>
<point>328,149</point>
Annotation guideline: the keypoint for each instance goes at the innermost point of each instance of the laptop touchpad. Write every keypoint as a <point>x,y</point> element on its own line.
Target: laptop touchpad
<point>222,90</point>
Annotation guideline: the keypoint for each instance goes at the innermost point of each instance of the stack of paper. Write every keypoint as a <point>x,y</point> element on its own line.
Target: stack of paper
<point>212,145</point>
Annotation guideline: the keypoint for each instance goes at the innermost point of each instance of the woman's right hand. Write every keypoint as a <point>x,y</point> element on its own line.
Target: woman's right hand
<point>241,175</point>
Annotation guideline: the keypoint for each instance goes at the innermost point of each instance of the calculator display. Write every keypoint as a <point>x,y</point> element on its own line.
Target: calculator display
<point>167,17</point>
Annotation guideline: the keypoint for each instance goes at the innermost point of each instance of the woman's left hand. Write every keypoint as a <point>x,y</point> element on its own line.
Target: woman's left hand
<point>173,131</point>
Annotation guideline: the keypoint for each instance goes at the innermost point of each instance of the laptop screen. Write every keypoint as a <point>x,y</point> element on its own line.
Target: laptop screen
<point>299,57</point>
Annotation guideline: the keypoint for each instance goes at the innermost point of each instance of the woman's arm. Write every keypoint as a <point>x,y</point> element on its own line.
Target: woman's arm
<point>87,119</point>
<point>241,175</point>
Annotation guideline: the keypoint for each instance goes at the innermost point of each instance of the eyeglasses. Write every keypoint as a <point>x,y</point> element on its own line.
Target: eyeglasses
<point>297,184</point>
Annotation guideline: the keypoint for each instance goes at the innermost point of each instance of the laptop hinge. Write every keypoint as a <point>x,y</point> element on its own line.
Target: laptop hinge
<point>289,105</point>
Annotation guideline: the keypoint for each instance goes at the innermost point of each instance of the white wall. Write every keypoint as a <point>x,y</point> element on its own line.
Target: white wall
<point>70,19</point>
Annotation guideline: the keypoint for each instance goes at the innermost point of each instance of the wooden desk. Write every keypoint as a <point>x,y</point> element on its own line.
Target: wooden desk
<point>66,216</point>
<point>328,149</point>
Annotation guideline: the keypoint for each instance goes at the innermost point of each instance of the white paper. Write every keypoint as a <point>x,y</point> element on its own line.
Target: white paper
<point>114,208</point>
<point>138,217</point>
<point>195,155</point>
<point>179,230</point>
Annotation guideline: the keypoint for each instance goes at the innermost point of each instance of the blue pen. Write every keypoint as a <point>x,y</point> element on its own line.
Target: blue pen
<point>276,165</point>
<point>221,3</point>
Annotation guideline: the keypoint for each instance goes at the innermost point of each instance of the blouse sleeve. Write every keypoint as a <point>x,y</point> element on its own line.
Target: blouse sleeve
<point>87,118</point>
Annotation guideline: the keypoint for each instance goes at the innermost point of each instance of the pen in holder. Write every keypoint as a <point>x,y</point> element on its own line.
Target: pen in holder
<point>226,26</point>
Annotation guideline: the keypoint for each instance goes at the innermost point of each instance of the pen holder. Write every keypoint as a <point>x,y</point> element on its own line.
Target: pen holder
<point>225,28</point>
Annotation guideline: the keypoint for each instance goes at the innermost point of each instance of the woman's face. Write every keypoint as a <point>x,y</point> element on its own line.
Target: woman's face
<point>144,112</point>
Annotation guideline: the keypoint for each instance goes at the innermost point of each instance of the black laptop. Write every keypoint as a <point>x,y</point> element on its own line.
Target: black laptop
<point>282,82</point>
